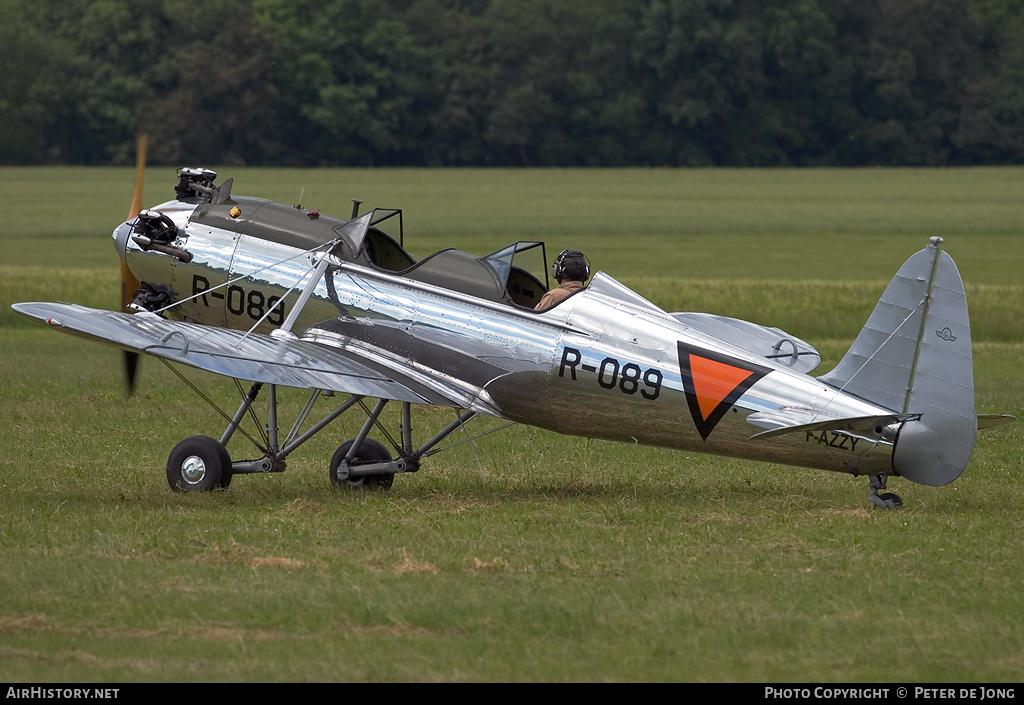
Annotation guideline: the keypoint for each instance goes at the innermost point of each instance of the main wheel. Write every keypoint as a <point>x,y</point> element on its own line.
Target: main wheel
<point>198,464</point>
<point>370,451</point>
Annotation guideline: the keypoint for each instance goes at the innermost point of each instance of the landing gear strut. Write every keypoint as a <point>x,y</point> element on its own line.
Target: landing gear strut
<point>887,500</point>
<point>202,464</point>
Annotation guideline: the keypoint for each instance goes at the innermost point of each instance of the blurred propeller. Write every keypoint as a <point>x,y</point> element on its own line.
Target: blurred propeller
<point>129,284</point>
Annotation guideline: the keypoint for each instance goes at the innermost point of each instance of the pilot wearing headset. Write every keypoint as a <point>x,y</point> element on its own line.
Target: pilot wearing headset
<point>570,270</point>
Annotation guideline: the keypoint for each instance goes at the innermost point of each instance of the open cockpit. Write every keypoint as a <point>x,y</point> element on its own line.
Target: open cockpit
<point>376,239</point>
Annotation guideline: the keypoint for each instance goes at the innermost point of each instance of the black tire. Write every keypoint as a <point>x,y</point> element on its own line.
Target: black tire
<point>896,500</point>
<point>225,470</point>
<point>198,464</point>
<point>371,451</point>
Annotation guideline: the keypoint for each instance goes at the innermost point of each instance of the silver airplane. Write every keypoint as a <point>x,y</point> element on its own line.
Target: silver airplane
<point>278,295</point>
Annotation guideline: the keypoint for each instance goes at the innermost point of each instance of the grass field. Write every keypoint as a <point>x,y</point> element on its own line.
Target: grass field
<point>524,556</point>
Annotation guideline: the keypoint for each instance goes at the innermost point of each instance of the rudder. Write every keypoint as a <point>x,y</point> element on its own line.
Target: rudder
<point>914,356</point>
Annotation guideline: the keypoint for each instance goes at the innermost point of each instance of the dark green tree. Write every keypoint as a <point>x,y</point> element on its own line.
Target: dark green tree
<point>210,97</point>
<point>514,82</point>
<point>995,131</point>
<point>196,81</point>
<point>357,86</point>
<point>29,88</point>
<point>746,81</point>
<point>561,89</point>
<point>918,68</point>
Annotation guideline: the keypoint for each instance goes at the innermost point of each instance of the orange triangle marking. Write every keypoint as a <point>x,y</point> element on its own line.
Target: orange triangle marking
<point>713,382</point>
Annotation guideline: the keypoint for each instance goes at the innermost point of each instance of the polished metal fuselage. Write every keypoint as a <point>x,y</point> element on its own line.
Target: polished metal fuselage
<point>603,364</point>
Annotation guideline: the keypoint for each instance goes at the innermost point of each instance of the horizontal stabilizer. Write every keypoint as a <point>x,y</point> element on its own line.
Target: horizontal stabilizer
<point>786,421</point>
<point>252,357</point>
<point>770,343</point>
<point>990,421</point>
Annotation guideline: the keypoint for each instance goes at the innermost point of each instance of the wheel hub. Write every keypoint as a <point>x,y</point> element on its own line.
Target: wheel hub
<point>193,469</point>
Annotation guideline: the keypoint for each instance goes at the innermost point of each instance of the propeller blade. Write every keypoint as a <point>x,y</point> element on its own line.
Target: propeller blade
<point>129,284</point>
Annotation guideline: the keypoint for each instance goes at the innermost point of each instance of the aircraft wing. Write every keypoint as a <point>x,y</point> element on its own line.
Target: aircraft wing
<point>252,357</point>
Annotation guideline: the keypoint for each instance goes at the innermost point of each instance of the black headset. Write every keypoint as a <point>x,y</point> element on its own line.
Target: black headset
<point>571,264</point>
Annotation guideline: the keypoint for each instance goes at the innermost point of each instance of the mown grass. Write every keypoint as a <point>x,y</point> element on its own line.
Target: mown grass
<point>524,555</point>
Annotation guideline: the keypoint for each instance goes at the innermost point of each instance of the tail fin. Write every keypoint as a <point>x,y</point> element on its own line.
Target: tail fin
<point>914,356</point>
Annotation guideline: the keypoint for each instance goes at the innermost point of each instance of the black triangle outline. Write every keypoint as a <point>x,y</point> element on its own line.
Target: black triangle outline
<point>706,426</point>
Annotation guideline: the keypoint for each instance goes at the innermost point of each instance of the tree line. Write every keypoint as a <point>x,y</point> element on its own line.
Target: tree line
<point>513,82</point>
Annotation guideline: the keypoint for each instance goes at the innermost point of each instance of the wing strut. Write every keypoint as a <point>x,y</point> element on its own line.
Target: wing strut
<point>285,331</point>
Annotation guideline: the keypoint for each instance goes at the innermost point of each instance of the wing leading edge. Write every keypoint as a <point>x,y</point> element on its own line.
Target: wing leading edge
<point>252,357</point>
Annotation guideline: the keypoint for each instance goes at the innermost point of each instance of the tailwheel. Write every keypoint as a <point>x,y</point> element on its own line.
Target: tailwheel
<point>370,451</point>
<point>884,500</point>
<point>198,464</point>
